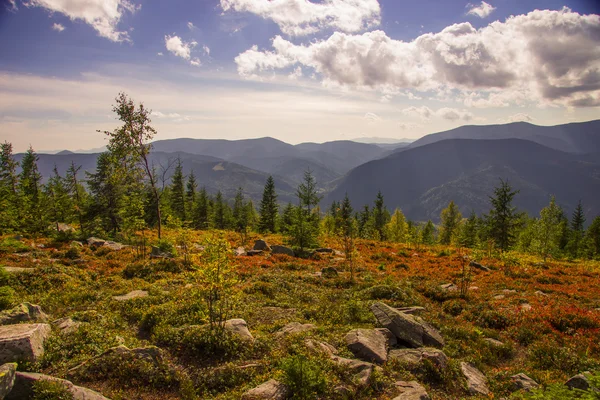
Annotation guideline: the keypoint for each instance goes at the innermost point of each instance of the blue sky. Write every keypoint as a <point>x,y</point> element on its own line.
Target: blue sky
<point>293,69</point>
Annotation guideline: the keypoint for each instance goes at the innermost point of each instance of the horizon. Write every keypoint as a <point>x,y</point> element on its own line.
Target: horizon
<point>237,69</point>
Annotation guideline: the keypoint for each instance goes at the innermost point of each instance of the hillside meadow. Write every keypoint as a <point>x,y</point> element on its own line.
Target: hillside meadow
<point>544,317</point>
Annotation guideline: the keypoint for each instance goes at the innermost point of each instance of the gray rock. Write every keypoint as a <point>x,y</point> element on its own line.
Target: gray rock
<point>523,382</point>
<point>240,251</point>
<point>411,310</point>
<point>476,380</point>
<point>391,339</point>
<point>329,272</point>
<point>579,381</point>
<point>131,295</point>
<point>413,358</point>
<point>239,327</point>
<point>526,307</point>
<point>66,325</point>
<point>261,245</point>
<point>368,345</point>
<point>361,370</point>
<point>493,342</point>
<point>540,293</point>
<point>22,342</point>
<point>95,242</point>
<point>509,291</point>
<point>7,378</point>
<point>114,245</point>
<point>479,266</point>
<point>324,250</point>
<point>254,252</point>
<point>449,287</point>
<point>323,347</point>
<point>411,391</point>
<point>156,252</point>
<point>498,297</point>
<point>276,249</point>
<point>24,381</point>
<point>294,327</point>
<point>17,270</point>
<point>24,312</point>
<point>407,328</point>
<point>270,390</point>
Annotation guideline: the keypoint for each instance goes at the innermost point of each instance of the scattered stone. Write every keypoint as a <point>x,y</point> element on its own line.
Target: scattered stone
<point>579,381</point>
<point>411,391</point>
<point>329,272</point>
<point>473,287</point>
<point>240,251</point>
<point>261,245</point>
<point>493,342</point>
<point>526,307</point>
<point>150,354</point>
<point>22,342</point>
<point>509,291</point>
<point>41,246</point>
<point>323,250</point>
<point>320,347</point>
<point>343,391</point>
<point>523,382</point>
<point>293,328</point>
<point>449,287</point>
<point>540,293</point>
<point>391,339</point>
<point>276,249</point>
<point>18,270</point>
<point>7,378</point>
<point>476,381</point>
<point>254,252</point>
<point>114,245</point>
<point>367,344</point>
<point>76,243</point>
<point>66,325</point>
<point>479,266</point>
<point>131,295</point>
<point>411,310</point>
<point>24,312</point>
<point>413,358</point>
<point>499,297</point>
<point>24,381</point>
<point>95,242</point>
<point>156,252</point>
<point>362,370</point>
<point>239,327</point>
<point>199,247</point>
<point>270,390</point>
<point>408,328</point>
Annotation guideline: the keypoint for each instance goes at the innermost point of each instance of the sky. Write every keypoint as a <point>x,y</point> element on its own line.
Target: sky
<point>296,70</point>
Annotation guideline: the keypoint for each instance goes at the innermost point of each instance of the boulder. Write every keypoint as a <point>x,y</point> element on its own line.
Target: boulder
<point>66,325</point>
<point>95,242</point>
<point>368,345</point>
<point>391,339</point>
<point>156,252</point>
<point>7,378</point>
<point>16,270</point>
<point>479,266</point>
<point>411,391</point>
<point>294,327</point>
<point>476,381</point>
<point>526,307</point>
<point>254,252</point>
<point>261,245</point>
<point>449,287</point>
<point>493,342</point>
<point>411,310</point>
<point>240,251</point>
<point>413,358</point>
<point>540,293</point>
<point>523,382</point>
<point>323,347</point>
<point>22,342</point>
<point>131,295</point>
<point>114,245</point>
<point>24,312</point>
<point>498,297</point>
<point>407,328</point>
<point>361,370</point>
<point>276,249</point>
<point>579,381</point>
<point>239,328</point>
<point>329,272</point>
<point>270,390</point>
<point>24,381</point>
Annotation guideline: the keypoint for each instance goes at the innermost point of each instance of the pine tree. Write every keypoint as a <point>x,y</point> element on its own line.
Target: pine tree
<point>177,194</point>
<point>305,229</point>
<point>592,238</point>
<point>428,233</point>
<point>190,195</point>
<point>503,220</point>
<point>30,188</point>
<point>451,218</point>
<point>60,202</point>
<point>107,189</point>
<point>380,216</point>
<point>240,215</point>
<point>469,232</point>
<point>77,193</point>
<point>577,230</point>
<point>202,211</point>
<point>268,208</point>
<point>396,228</point>
<point>219,217</point>
<point>287,219</point>
<point>547,230</point>
<point>9,196</point>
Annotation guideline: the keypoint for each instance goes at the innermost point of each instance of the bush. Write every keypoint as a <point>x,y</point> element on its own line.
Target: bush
<point>7,297</point>
<point>72,254</point>
<point>10,245</point>
<point>454,307</point>
<point>44,389</point>
<point>304,377</point>
<point>166,246</point>
<point>385,292</point>
<point>200,341</point>
<point>559,391</point>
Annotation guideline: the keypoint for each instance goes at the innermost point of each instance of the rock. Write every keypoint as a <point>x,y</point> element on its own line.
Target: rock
<point>329,272</point>
<point>479,266</point>
<point>320,347</point>
<point>270,390</point>
<point>526,307</point>
<point>254,252</point>
<point>66,325</point>
<point>156,252</point>
<point>239,328</point>
<point>24,312</point>
<point>367,344</point>
<point>95,242</point>
<point>7,378</point>
<point>343,391</point>
<point>476,381</point>
<point>17,270</point>
<point>579,381</point>
<point>540,293</point>
<point>493,342</point>
<point>276,249</point>
<point>323,250</point>
<point>131,295</point>
<point>261,245</point>
<point>114,245</point>
<point>498,297</point>
<point>76,243</point>
<point>150,354</point>
<point>24,381</point>
<point>449,287</point>
<point>407,328</point>
<point>509,291</point>
<point>22,342</point>
<point>240,251</point>
<point>413,358</point>
<point>523,382</point>
<point>411,391</point>
<point>411,310</point>
<point>391,339</point>
<point>361,370</point>
<point>294,327</point>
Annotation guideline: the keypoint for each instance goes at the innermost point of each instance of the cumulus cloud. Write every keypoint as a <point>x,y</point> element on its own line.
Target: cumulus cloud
<point>453,114</point>
<point>550,57</point>
<point>12,5</point>
<point>372,118</point>
<point>302,17</point>
<point>519,117</point>
<point>58,27</point>
<point>102,15</point>
<point>296,74</point>
<point>482,11</point>
<point>182,49</point>
<point>422,112</point>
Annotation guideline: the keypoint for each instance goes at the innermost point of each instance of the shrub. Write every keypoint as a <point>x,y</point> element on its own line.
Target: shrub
<point>200,341</point>
<point>7,297</point>
<point>385,292</point>
<point>72,254</point>
<point>549,355</point>
<point>454,307</point>
<point>10,245</point>
<point>166,246</point>
<point>304,377</point>
<point>559,391</point>
<point>44,389</point>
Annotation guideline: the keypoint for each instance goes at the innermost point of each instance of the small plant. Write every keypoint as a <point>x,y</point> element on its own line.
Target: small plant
<point>44,389</point>
<point>7,297</point>
<point>304,377</point>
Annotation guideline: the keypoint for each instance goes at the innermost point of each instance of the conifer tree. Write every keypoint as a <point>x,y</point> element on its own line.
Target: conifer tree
<point>240,215</point>
<point>107,188</point>
<point>305,229</point>
<point>190,194</point>
<point>268,208</point>
<point>592,238</point>
<point>30,188</point>
<point>451,218</point>
<point>177,193</point>
<point>77,193</point>
<point>60,202</point>
<point>9,196</point>
<point>380,216</point>
<point>365,223</point>
<point>428,233</point>
<point>577,230</point>
<point>396,228</point>
<point>202,211</point>
<point>348,229</point>
<point>547,230</point>
<point>219,217</point>
<point>469,231</point>
<point>287,219</point>
<point>503,220</point>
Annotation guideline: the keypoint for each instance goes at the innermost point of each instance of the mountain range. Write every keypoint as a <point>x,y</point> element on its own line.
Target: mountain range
<point>463,164</point>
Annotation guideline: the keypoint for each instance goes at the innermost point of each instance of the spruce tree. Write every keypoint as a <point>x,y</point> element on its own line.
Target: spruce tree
<point>305,229</point>
<point>428,233</point>
<point>547,230</point>
<point>348,229</point>
<point>364,223</point>
<point>451,218</point>
<point>268,208</point>
<point>30,188</point>
<point>592,238</point>
<point>9,196</point>
<point>177,193</point>
<point>219,217</point>
<point>107,189</point>
<point>60,202</point>
<point>396,228</point>
<point>240,215</point>
<point>77,193</point>
<point>380,216</point>
<point>577,230</point>
<point>287,219</point>
<point>503,220</point>
<point>190,195</point>
<point>469,232</point>
<point>201,215</point>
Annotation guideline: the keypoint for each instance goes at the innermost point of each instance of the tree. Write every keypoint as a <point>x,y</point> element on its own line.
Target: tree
<point>220,215</point>
<point>107,188</point>
<point>30,189</point>
<point>451,218</point>
<point>9,196</point>
<point>503,220</point>
<point>428,233</point>
<point>177,193</point>
<point>577,230</point>
<point>287,219</point>
<point>305,228</point>
<point>380,216</point>
<point>202,211</point>
<point>268,208</point>
<point>60,201</point>
<point>131,143</point>
<point>190,194</point>
<point>547,230</point>
<point>469,231</point>
<point>365,223</point>
<point>396,228</point>
<point>592,238</point>
<point>347,229</point>
<point>77,193</point>
<point>240,215</point>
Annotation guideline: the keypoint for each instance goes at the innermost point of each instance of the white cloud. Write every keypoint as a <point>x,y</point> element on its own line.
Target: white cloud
<point>302,17</point>
<point>296,74</point>
<point>182,49</point>
<point>422,112</point>
<point>102,15</point>
<point>12,5</point>
<point>519,117</point>
<point>174,117</point>
<point>549,57</point>
<point>453,114</point>
<point>195,62</point>
<point>409,126</point>
<point>160,54</point>
<point>58,27</point>
<point>482,11</point>
<point>372,118</point>
<point>191,26</point>
<point>206,50</point>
